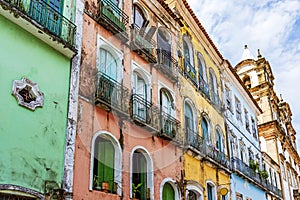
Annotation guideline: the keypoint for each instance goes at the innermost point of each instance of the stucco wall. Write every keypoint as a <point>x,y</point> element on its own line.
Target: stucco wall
<point>31,142</point>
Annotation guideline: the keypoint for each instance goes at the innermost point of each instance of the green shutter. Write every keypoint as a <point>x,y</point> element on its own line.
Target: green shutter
<point>168,192</point>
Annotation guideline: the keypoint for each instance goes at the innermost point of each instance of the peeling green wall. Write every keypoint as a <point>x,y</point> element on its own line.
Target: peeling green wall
<point>31,142</point>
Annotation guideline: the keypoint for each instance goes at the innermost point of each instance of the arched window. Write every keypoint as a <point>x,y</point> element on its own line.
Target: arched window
<point>205,133</point>
<point>164,54</point>
<point>247,82</point>
<point>201,68</point>
<point>189,68</point>
<point>211,191</point>
<point>139,16</point>
<point>190,124</point>
<point>220,143</point>
<point>194,191</point>
<point>108,64</point>
<point>106,163</point>
<point>141,178</point>
<point>213,87</point>
<point>166,102</point>
<point>168,192</point>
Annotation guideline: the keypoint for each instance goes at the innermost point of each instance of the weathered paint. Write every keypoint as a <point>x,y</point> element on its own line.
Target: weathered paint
<point>32,142</point>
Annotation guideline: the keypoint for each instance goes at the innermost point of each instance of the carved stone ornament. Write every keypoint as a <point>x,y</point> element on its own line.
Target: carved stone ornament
<point>27,93</point>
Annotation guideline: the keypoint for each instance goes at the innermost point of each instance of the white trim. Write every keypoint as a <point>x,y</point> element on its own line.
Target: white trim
<point>162,85</point>
<point>150,177</point>
<point>136,68</point>
<point>117,159</point>
<point>117,54</point>
<point>173,184</point>
<point>145,12</point>
<point>214,188</point>
<point>196,187</point>
<point>209,127</point>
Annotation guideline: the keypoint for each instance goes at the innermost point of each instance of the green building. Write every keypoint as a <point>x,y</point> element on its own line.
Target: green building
<point>38,67</point>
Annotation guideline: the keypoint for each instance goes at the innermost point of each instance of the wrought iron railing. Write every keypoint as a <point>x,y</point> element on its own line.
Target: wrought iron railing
<point>204,87</point>
<point>190,72</point>
<point>274,189</point>
<point>112,94</point>
<point>193,139</point>
<point>215,154</point>
<point>170,126</point>
<point>144,112</point>
<point>112,16</point>
<point>142,43</point>
<point>167,63</point>
<point>48,17</point>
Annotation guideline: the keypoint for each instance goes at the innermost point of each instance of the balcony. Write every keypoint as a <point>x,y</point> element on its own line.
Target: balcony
<point>193,139</point>
<point>274,189</point>
<point>142,44</point>
<point>216,155</point>
<point>242,168</point>
<point>167,64</point>
<point>203,86</point>
<point>170,128</point>
<point>45,17</point>
<point>113,18</point>
<point>190,72</point>
<point>144,113</point>
<point>111,95</point>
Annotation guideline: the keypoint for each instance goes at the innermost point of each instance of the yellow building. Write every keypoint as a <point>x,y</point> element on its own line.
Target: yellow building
<point>206,162</point>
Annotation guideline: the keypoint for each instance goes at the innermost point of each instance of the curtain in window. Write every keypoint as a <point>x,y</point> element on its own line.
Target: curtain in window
<point>168,192</point>
<point>140,174</point>
<point>104,162</point>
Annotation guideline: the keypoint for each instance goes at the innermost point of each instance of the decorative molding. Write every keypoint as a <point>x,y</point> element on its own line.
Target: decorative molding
<point>21,189</point>
<point>27,93</point>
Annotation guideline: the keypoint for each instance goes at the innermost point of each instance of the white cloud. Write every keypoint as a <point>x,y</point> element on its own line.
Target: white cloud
<point>272,26</point>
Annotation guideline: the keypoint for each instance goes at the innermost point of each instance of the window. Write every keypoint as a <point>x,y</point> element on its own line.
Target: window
<point>168,192</point>
<point>201,67</point>
<point>204,128</point>
<point>108,65</point>
<point>139,174</point>
<point>139,17</point>
<point>211,191</point>
<point>233,145</point>
<point>247,82</point>
<point>239,196</point>
<point>247,124</point>
<point>219,140</point>
<point>251,155</point>
<point>242,152</point>
<point>106,163</point>
<point>214,87</point>
<point>254,128</point>
<point>189,68</point>
<point>238,109</point>
<point>228,98</point>
<point>189,123</point>
<point>167,109</point>
<point>164,54</point>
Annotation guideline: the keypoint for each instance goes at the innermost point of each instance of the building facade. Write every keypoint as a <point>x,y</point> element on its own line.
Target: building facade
<point>275,128</point>
<point>37,46</point>
<point>128,142</point>
<point>248,180</point>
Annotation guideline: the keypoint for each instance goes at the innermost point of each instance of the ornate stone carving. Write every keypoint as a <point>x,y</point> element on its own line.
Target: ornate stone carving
<point>27,93</point>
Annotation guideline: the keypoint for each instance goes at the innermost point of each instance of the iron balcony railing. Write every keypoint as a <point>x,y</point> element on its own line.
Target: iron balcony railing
<point>274,189</point>
<point>203,85</point>
<point>112,17</point>
<point>215,154</point>
<point>143,44</point>
<point>167,64</point>
<point>190,72</point>
<point>144,113</point>
<point>112,94</point>
<point>48,17</point>
<point>193,139</point>
<point>170,127</point>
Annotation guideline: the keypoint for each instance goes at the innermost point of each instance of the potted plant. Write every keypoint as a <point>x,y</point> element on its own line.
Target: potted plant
<point>263,174</point>
<point>105,186</point>
<point>136,189</point>
<point>96,183</point>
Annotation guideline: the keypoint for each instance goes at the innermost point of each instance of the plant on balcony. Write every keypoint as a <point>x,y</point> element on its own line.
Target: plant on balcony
<point>263,174</point>
<point>96,183</point>
<point>253,165</point>
<point>192,75</point>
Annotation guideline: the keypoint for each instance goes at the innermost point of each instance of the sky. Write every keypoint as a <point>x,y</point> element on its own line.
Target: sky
<point>273,26</point>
